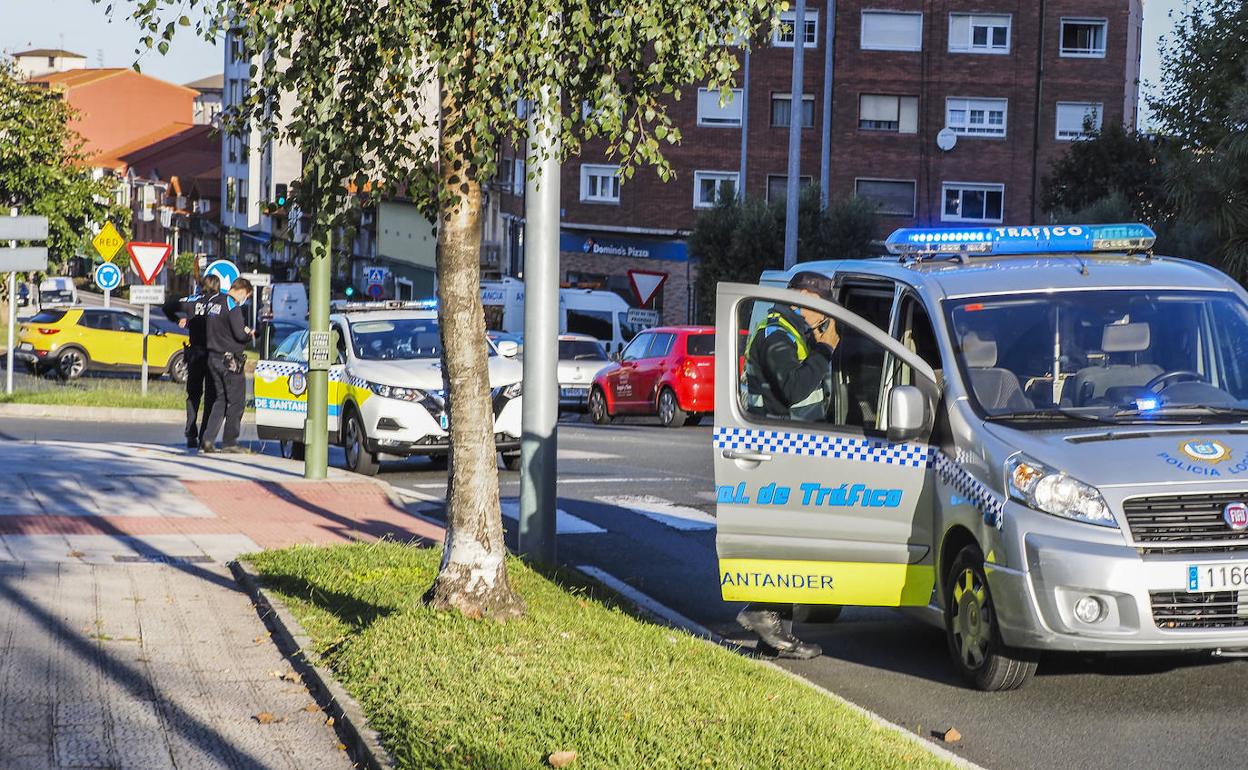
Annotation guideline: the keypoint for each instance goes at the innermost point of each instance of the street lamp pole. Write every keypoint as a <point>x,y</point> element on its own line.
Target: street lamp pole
<point>796,111</point>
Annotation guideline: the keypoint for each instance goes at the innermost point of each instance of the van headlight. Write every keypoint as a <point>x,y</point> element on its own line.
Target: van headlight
<point>1048,490</point>
<point>402,394</point>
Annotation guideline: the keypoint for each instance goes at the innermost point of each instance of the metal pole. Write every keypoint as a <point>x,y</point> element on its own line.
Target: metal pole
<point>796,109</point>
<point>540,415</point>
<point>316,427</point>
<point>107,293</point>
<point>745,125</point>
<point>825,166</point>
<point>147,317</point>
<point>8,356</point>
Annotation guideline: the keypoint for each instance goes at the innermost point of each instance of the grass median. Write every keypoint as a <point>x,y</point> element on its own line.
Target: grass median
<point>572,675</point>
<point>96,393</point>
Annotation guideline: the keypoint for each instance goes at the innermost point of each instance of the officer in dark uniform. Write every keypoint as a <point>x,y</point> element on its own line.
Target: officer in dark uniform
<point>227,336</point>
<point>190,313</point>
<point>788,373</point>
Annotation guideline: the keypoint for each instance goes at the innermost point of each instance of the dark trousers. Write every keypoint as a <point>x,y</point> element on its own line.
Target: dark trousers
<point>231,392</point>
<point>199,389</point>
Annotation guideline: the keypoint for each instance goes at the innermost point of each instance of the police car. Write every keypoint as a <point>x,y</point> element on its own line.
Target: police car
<point>386,393</point>
<point>1037,437</point>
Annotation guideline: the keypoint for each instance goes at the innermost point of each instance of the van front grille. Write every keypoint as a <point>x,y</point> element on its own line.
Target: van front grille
<point>1210,609</point>
<point>1185,523</point>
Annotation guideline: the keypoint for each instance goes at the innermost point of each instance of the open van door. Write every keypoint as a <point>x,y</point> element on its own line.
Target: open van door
<point>824,506</point>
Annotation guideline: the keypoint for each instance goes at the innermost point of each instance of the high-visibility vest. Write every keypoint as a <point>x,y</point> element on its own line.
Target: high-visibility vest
<point>775,320</point>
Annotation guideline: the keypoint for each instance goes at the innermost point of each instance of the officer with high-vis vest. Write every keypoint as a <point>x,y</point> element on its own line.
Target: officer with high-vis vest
<point>788,374</point>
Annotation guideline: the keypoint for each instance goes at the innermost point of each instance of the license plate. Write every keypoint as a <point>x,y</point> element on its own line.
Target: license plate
<point>573,392</point>
<point>25,346</point>
<point>1231,576</point>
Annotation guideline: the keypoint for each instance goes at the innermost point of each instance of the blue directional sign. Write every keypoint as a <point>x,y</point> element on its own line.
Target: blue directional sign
<point>107,276</point>
<point>224,269</point>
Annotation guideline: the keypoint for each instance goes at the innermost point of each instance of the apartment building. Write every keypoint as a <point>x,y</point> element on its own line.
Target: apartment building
<point>943,113</point>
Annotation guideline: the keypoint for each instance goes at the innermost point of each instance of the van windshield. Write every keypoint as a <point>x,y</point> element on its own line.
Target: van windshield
<point>1108,356</point>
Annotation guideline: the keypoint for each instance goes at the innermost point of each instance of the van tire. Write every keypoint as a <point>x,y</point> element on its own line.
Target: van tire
<point>670,413</point>
<point>355,443</point>
<point>599,413</point>
<point>972,631</point>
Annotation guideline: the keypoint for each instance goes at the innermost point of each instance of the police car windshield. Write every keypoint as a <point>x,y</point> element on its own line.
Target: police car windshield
<point>1115,356</point>
<point>397,339</point>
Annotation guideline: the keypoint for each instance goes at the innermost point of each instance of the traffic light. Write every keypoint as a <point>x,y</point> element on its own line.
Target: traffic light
<point>279,196</point>
<point>349,291</point>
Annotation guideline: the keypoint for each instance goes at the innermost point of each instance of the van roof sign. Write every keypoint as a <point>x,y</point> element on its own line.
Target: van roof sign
<point>1035,239</point>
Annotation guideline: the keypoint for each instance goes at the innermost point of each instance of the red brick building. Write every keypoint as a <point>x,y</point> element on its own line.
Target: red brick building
<point>1012,82</point>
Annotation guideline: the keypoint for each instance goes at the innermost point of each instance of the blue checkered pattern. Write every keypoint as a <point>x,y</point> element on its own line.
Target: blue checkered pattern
<point>969,487</point>
<point>278,368</point>
<point>816,445</point>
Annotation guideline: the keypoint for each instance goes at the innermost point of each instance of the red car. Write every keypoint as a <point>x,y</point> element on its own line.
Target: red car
<point>668,371</point>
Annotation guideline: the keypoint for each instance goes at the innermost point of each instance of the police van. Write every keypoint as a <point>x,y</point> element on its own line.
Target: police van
<point>1035,436</point>
<point>386,392</point>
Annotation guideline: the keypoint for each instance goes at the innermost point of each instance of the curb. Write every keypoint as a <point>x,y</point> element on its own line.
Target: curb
<point>363,745</point>
<point>95,413</point>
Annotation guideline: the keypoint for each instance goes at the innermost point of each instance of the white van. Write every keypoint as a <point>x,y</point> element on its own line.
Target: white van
<point>288,302</point>
<point>57,291</point>
<point>603,315</point>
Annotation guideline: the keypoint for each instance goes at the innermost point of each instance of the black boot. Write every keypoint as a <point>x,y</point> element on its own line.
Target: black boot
<point>771,632</point>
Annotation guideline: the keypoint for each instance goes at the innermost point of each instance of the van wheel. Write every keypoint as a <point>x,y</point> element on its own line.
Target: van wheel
<point>71,363</point>
<point>670,413</point>
<point>598,411</point>
<point>971,628</point>
<point>359,459</point>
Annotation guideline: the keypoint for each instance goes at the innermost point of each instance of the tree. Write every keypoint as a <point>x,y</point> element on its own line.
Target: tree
<point>1110,162</point>
<point>417,95</point>
<point>42,169</point>
<point>737,241</point>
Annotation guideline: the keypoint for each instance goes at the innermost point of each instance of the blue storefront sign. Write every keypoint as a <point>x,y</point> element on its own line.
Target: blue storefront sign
<point>611,245</point>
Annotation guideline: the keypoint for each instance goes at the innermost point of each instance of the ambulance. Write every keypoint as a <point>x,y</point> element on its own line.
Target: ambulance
<point>386,391</point>
<point>1035,437</point>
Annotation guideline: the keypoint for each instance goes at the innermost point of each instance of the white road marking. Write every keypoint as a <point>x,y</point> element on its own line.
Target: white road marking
<point>680,517</point>
<point>647,603</point>
<point>582,454</point>
<point>578,480</point>
<point>565,523</point>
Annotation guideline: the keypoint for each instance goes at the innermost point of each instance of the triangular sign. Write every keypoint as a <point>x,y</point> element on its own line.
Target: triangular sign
<point>148,259</point>
<point>646,284</point>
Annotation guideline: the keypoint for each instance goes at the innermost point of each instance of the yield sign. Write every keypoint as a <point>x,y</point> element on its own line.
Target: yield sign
<point>646,284</point>
<point>148,259</point>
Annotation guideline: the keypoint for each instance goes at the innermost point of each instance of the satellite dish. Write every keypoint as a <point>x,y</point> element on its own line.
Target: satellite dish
<point>946,139</point>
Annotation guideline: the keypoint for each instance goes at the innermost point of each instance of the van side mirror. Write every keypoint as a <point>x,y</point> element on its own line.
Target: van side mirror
<point>907,413</point>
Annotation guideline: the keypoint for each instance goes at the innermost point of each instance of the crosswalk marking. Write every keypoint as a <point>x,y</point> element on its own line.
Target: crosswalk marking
<point>680,517</point>
<point>565,523</point>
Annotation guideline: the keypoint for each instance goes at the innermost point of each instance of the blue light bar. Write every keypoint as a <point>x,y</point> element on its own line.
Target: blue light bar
<point>342,306</point>
<point>1036,239</point>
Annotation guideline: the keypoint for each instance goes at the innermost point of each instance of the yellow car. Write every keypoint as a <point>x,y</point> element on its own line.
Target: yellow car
<point>71,341</point>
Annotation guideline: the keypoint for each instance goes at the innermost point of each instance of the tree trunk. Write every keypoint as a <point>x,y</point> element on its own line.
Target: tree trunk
<point>473,576</point>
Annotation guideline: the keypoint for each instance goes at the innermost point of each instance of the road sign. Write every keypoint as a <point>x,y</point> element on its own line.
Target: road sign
<point>23,228</point>
<point>108,242</point>
<point>23,259</point>
<point>375,290</point>
<point>224,269</point>
<point>646,284</point>
<point>259,280</point>
<point>639,318</point>
<point>147,295</point>
<point>375,274</point>
<point>107,276</point>
<point>148,259</point>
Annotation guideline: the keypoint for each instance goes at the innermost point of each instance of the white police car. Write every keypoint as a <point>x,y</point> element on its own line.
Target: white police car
<point>386,392</point>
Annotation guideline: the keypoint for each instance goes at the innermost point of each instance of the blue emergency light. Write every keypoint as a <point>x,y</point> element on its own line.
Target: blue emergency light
<point>1036,239</point>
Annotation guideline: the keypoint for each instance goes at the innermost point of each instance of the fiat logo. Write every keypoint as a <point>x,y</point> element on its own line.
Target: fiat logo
<point>1236,515</point>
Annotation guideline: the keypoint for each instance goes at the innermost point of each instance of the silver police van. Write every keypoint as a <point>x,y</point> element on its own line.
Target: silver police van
<point>1036,436</point>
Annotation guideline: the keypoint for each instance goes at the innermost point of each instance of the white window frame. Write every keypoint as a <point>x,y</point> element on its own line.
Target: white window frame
<point>1079,53</point>
<point>964,186</point>
<point>720,177</point>
<point>603,172</point>
<point>914,200</point>
<point>1099,107</point>
<point>790,17</point>
<point>897,130</point>
<point>967,104</point>
<point>970,42</point>
<point>711,121</point>
<point>862,42</point>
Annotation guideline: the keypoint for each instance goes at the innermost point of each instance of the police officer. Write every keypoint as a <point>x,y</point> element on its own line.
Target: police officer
<point>190,313</point>
<point>788,371</point>
<point>227,334</point>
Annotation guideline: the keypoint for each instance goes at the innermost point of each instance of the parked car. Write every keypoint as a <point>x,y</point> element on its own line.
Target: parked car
<point>23,295</point>
<point>668,371</point>
<point>54,292</point>
<point>73,341</point>
<point>580,358</point>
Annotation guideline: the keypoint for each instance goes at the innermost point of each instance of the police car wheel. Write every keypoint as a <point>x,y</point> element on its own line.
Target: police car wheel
<point>359,459</point>
<point>292,450</point>
<point>971,629</point>
<point>598,411</point>
<point>670,413</point>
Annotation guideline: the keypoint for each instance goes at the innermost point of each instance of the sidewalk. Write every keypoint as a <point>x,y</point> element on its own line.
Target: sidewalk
<point>124,642</point>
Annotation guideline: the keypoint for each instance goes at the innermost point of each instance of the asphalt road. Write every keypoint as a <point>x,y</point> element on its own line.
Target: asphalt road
<point>637,503</point>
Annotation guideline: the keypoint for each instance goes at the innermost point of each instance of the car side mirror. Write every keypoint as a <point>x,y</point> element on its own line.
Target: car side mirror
<point>508,348</point>
<point>907,413</point>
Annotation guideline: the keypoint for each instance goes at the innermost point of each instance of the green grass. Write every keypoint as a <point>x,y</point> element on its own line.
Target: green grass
<point>112,393</point>
<point>574,674</point>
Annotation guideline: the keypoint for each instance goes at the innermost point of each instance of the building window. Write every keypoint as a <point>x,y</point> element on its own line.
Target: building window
<point>1078,119</point>
<point>236,47</point>
<point>710,186</point>
<point>242,197</point>
<point>231,194</point>
<point>891,31</point>
<point>892,197</point>
<point>898,114</point>
<point>1083,37</point>
<point>600,184</point>
<point>517,176</point>
<point>782,110</point>
<point>782,34</point>
<point>976,33</point>
<point>976,117</point>
<point>232,144</point>
<point>967,202</point>
<point>712,113</point>
<point>778,186</point>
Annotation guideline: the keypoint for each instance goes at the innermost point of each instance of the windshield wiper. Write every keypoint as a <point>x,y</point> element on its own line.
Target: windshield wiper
<point>1058,415</point>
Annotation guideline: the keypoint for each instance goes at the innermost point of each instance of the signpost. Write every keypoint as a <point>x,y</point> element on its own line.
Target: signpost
<point>107,277</point>
<point>14,260</point>
<point>639,318</point>
<point>375,278</point>
<point>146,296</point>
<point>224,269</point>
<point>646,284</point>
<point>147,259</point>
<point>108,242</point>
<point>258,282</point>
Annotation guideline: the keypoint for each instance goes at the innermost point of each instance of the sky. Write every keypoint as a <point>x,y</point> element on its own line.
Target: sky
<point>83,27</point>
